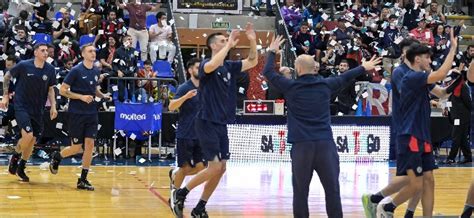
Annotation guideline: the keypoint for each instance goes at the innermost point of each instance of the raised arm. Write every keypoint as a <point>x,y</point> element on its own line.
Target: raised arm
<point>218,59</point>
<point>252,60</point>
<point>279,81</point>
<point>441,73</point>
<point>6,96</point>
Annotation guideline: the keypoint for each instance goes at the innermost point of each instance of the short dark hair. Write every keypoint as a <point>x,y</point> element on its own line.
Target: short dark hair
<point>304,23</point>
<point>211,38</point>
<point>12,58</point>
<point>147,62</point>
<point>470,46</point>
<point>112,11</point>
<point>407,42</point>
<point>159,15</point>
<point>37,45</point>
<point>416,50</point>
<point>191,62</point>
<point>344,61</point>
<point>23,15</point>
<point>85,46</point>
<point>21,27</point>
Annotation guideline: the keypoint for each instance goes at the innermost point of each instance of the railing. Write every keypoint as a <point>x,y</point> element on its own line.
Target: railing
<point>180,69</point>
<point>136,91</point>
<point>288,51</point>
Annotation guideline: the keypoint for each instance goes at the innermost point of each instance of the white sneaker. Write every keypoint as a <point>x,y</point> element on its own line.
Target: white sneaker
<point>381,213</point>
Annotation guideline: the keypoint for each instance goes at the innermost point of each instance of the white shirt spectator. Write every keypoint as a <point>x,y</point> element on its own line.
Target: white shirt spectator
<point>163,32</point>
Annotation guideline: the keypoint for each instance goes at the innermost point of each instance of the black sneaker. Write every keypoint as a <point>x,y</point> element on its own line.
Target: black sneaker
<point>177,204</point>
<point>54,164</point>
<point>20,172</point>
<point>13,163</point>
<point>84,184</point>
<point>199,213</point>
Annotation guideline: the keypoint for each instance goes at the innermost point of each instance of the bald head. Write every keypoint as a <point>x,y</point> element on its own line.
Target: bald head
<point>304,64</point>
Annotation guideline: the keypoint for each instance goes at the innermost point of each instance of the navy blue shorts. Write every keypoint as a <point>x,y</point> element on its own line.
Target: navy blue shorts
<point>82,126</point>
<point>189,152</point>
<point>29,123</point>
<point>414,154</point>
<point>213,139</point>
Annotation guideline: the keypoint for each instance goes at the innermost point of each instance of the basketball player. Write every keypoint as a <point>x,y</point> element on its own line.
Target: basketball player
<point>81,86</point>
<point>190,159</point>
<point>370,201</point>
<point>415,158</point>
<point>35,80</point>
<point>217,97</point>
<point>309,126</point>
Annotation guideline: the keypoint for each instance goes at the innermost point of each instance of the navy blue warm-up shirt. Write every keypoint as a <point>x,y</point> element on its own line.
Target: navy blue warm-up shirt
<point>32,85</point>
<point>217,92</point>
<point>396,82</point>
<point>187,112</point>
<point>83,81</point>
<point>415,107</point>
<point>308,99</point>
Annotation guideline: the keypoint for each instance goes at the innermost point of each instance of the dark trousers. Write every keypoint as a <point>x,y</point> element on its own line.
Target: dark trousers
<point>125,87</point>
<point>460,136</point>
<point>322,157</point>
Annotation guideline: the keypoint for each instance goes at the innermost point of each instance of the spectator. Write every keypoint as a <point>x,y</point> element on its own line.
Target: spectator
<point>137,28</point>
<point>344,98</point>
<point>66,28</point>
<point>111,5</point>
<point>343,33</point>
<point>374,7</point>
<point>41,11</point>
<point>468,56</point>
<point>54,57</point>
<point>21,19</point>
<point>440,49</point>
<point>412,14</point>
<point>106,55</point>
<point>312,15</point>
<point>90,6</point>
<point>256,8</point>
<point>125,65</point>
<point>110,27</point>
<point>146,87</point>
<point>66,51</point>
<point>160,39</point>
<point>291,15</point>
<point>20,44</point>
<point>423,34</point>
<point>304,41</point>
<point>393,52</point>
<point>435,13</point>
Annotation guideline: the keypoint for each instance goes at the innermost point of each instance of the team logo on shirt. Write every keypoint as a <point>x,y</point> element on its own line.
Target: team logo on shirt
<point>96,78</point>
<point>419,170</point>
<point>28,128</point>
<point>45,77</point>
<point>75,140</point>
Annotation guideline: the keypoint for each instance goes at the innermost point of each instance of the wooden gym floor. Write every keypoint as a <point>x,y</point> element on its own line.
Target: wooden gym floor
<point>247,190</point>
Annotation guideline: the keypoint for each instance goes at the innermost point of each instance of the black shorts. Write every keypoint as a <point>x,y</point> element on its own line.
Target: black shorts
<point>188,151</point>
<point>82,126</point>
<point>29,123</point>
<point>213,139</point>
<point>414,154</point>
